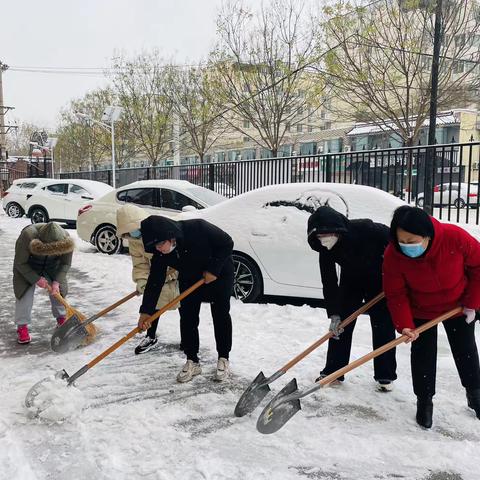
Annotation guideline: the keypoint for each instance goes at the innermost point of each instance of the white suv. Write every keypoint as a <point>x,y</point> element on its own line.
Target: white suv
<point>97,221</point>
<point>59,200</point>
<point>16,196</point>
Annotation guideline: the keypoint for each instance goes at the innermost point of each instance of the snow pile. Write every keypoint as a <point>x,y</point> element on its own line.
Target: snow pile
<point>55,401</point>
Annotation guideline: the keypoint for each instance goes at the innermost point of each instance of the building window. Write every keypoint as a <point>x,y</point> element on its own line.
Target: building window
<point>288,127</point>
<point>310,128</point>
<point>246,124</point>
<point>323,114</point>
<point>246,139</point>
<point>299,128</point>
<point>300,111</point>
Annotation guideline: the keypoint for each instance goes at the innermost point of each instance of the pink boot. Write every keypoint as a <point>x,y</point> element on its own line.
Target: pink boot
<point>22,334</point>
<point>60,321</point>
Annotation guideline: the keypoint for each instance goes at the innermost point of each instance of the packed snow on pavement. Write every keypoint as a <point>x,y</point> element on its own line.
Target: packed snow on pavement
<point>129,419</point>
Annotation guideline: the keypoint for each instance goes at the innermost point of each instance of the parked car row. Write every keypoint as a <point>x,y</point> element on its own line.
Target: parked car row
<point>268,225</point>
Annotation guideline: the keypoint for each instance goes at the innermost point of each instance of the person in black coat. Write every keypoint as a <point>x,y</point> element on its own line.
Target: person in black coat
<point>196,249</point>
<point>357,246</point>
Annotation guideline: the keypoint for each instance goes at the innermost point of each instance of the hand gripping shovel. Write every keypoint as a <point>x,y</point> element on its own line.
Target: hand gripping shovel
<point>287,402</point>
<point>259,388</point>
<point>73,332</point>
<point>37,388</point>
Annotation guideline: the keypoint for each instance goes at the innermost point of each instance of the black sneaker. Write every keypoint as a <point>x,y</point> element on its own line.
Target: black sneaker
<point>145,345</point>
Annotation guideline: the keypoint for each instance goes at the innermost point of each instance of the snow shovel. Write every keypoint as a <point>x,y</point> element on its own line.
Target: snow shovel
<point>259,388</point>
<point>287,402</point>
<point>73,332</point>
<point>62,374</point>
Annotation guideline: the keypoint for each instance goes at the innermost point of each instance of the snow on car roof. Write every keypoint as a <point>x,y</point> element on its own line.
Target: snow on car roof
<point>159,183</point>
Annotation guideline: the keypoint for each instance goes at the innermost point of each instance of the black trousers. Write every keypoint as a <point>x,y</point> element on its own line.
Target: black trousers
<point>218,294</point>
<point>383,331</point>
<point>423,355</point>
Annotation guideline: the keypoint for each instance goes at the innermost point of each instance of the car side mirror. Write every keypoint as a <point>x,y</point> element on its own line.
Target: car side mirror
<point>188,208</point>
<point>87,198</point>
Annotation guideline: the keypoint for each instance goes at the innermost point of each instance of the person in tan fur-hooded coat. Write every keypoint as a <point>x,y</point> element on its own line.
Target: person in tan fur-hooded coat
<point>43,256</point>
<point>129,218</point>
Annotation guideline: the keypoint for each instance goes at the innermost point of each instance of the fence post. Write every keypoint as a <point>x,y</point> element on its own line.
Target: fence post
<point>328,168</point>
<point>109,176</point>
<point>211,177</point>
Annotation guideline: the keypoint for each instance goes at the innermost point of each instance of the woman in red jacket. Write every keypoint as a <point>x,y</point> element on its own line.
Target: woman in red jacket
<point>430,268</point>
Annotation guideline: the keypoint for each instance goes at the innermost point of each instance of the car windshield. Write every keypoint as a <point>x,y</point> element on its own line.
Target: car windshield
<point>207,196</point>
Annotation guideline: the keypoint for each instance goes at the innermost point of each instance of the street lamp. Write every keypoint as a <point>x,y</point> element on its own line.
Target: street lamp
<point>109,117</point>
<point>51,143</point>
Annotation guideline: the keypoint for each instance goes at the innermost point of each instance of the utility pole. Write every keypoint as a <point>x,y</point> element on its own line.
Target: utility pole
<point>3,109</point>
<point>430,153</point>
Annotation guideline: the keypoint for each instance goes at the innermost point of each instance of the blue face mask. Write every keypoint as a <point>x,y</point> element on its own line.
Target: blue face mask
<point>136,234</point>
<point>412,250</point>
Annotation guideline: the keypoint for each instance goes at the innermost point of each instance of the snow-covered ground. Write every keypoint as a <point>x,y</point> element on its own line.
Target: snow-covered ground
<point>138,423</point>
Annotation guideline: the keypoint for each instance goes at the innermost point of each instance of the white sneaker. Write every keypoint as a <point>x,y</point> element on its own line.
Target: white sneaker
<point>189,370</point>
<point>223,369</point>
<point>384,385</point>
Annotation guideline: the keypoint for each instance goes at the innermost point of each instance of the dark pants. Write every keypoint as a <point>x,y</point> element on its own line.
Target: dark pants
<point>151,332</point>
<point>218,294</point>
<point>383,331</point>
<point>461,337</point>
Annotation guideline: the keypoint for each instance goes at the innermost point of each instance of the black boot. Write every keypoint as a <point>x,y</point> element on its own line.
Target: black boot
<point>424,411</point>
<point>473,400</point>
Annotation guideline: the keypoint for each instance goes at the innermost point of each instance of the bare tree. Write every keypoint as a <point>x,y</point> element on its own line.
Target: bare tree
<point>85,144</point>
<point>139,85</point>
<point>379,70</point>
<point>193,99</point>
<point>18,140</point>
<point>259,67</point>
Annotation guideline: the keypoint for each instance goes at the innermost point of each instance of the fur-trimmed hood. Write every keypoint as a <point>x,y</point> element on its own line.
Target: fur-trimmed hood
<point>60,247</point>
<point>51,239</point>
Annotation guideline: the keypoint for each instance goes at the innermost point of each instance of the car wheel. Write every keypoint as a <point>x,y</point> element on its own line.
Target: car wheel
<point>106,240</point>
<point>14,210</point>
<point>459,203</point>
<point>38,215</point>
<point>248,282</point>
<point>420,202</point>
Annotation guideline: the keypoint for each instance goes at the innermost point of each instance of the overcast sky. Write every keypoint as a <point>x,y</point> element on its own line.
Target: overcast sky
<point>85,33</point>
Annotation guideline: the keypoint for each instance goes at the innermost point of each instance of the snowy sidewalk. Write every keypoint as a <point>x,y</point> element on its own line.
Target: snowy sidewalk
<point>140,424</point>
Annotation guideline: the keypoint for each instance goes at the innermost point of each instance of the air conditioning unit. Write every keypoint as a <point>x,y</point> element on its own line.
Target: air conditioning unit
<point>475,166</point>
<point>347,148</point>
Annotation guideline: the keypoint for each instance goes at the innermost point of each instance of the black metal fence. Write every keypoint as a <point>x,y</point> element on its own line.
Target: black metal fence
<point>400,171</point>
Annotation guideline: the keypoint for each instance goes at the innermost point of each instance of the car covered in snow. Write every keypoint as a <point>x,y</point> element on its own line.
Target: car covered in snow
<point>60,200</point>
<point>269,228</point>
<point>16,196</point>
<point>96,221</point>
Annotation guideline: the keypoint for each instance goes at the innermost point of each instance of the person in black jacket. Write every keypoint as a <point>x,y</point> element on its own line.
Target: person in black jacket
<point>196,249</point>
<point>357,246</point>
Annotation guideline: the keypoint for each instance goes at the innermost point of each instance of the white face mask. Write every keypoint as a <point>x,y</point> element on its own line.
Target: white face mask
<point>328,242</point>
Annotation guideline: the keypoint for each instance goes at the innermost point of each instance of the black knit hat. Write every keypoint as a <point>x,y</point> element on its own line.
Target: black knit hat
<point>327,220</point>
<point>156,229</point>
<point>413,220</point>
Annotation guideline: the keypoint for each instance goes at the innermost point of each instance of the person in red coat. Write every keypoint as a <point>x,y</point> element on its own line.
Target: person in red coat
<point>429,268</point>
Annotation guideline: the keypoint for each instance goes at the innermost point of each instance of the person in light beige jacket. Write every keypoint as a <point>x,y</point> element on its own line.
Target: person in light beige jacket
<point>128,227</point>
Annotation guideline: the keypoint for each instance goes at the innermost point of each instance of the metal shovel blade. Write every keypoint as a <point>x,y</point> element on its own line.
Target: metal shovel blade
<point>276,414</point>
<point>37,388</point>
<point>252,396</point>
<point>69,335</point>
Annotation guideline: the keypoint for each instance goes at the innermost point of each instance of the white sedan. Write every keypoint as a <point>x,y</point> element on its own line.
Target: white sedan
<point>97,221</point>
<point>269,228</point>
<point>59,200</point>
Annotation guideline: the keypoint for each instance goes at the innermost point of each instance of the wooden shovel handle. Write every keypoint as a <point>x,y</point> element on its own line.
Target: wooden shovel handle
<point>136,330</point>
<point>116,304</point>
<point>329,335</point>
<point>388,346</point>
